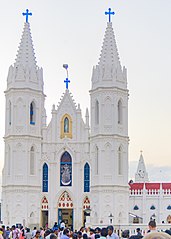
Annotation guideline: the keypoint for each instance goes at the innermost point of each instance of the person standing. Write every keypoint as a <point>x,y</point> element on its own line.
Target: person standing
<point>152,226</point>
<point>66,234</point>
<point>111,234</point>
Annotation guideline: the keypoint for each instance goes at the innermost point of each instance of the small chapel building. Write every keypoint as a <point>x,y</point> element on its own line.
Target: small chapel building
<point>70,169</point>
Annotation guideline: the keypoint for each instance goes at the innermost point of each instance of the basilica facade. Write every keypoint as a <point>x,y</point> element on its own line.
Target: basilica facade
<point>70,169</point>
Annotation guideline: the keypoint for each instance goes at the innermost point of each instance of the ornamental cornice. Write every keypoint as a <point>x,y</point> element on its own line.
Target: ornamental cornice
<point>22,137</point>
<point>109,136</point>
<point>109,89</point>
<point>27,89</point>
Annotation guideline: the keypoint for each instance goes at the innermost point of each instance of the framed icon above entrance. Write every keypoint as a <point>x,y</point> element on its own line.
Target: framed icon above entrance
<point>66,170</point>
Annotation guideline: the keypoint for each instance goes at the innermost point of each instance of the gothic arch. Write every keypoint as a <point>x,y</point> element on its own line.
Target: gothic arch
<point>32,112</point>
<point>108,111</point>
<point>32,160</point>
<point>96,111</point>
<point>20,111</point>
<point>9,112</point>
<point>107,145</point>
<point>86,203</point>
<point>19,99</point>
<point>66,126</point>
<point>44,204</point>
<point>86,177</point>
<point>8,160</point>
<point>120,160</point>
<point>120,111</point>
<point>65,200</point>
<point>66,169</point>
<point>45,175</point>
<point>96,160</point>
<point>108,158</point>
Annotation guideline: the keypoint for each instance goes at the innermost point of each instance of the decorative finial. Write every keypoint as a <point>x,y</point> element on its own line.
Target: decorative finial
<point>27,14</point>
<point>109,13</point>
<point>141,151</point>
<point>66,81</point>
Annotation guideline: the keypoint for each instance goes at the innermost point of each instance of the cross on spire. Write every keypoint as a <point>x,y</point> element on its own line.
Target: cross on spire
<point>27,14</point>
<point>66,81</point>
<point>109,13</point>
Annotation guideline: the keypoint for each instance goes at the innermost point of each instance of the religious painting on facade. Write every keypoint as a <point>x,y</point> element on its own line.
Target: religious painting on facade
<point>66,125</point>
<point>66,170</point>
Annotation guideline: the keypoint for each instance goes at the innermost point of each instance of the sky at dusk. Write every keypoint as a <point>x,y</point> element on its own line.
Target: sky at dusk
<point>72,31</point>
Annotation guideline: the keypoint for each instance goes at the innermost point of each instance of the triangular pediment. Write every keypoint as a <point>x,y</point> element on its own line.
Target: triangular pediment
<point>67,102</point>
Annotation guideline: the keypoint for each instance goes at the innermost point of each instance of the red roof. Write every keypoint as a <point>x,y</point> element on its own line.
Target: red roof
<point>149,186</point>
<point>136,186</point>
<point>166,186</point>
<point>152,186</point>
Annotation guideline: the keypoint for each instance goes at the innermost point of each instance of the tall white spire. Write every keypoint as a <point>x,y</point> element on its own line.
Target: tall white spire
<point>109,53</point>
<point>109,72</point>
<point>141,174</point>
<point>25,72</point>
<point>26,55</point>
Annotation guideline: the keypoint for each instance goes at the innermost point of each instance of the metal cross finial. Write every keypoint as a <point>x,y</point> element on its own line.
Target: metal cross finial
<point>27,14</point>
<point>109,13</point>
<point>66,81</point>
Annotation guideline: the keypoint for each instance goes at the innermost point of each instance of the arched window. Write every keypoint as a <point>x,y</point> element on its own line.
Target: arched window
<point>136,207</point>
<point>152,207</point>
<point>120,112</point>
<point>32,161</point>
<point>108,111</point>
<point>66,125</point>
<point>32,113</point>
<point>9,160</point>
<point>9,116</point>
<point>97,112</point>
<point>120,163</point>
<point>86,178</point>
<point>169,207</point>
<point>66,169</point>
<point>45,177</point>
<point>96,160</point>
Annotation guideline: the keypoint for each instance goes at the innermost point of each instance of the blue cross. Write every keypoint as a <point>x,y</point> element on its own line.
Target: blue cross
<point>27,14</point>
<point>66,82</point>
<point>109,13</point>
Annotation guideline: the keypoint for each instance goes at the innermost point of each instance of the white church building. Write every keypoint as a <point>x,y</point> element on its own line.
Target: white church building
<point>70,168</point>
<point>73,169</point>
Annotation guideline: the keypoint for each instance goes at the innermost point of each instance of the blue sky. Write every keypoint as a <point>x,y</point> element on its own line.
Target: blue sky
<point>72,32</point>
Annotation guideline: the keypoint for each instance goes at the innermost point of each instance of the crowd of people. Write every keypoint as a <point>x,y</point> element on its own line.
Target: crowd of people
<point>61,232</point>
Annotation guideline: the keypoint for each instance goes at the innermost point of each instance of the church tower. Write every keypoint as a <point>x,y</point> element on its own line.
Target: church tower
<point>25,117</point>
<point>109,136</point>
<point>141,174</point>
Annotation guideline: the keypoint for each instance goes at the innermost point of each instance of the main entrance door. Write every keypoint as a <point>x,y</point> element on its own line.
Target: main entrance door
<point>65,210</point>
<point>66,215</point>
<point>44,213</point>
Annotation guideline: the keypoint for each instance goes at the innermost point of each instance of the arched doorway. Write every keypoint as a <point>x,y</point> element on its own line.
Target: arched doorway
<point>65,210</point>
<point>86,210</point>
<point>44,212</point>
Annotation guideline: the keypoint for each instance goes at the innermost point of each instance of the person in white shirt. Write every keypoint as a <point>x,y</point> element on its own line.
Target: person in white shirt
<point>111,234</point>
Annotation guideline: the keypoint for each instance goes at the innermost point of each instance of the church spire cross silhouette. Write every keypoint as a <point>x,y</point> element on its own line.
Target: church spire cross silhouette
<point>66,81</point>
<point>27,14</point>
<point>109,13</point>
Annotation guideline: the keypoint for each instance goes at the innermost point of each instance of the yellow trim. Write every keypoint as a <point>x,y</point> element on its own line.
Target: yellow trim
<point>69,134</point>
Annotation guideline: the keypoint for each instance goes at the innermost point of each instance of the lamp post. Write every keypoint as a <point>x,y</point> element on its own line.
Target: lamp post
<point>111,218</point>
